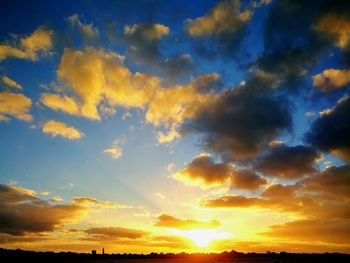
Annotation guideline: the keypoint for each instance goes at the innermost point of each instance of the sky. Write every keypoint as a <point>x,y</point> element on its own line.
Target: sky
<point>170,126</point>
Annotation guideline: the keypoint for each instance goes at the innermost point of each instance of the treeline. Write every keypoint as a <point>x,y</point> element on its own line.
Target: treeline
<point>18,255</point>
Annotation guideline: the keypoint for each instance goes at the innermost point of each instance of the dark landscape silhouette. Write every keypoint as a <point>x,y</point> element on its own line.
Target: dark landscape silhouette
<point>18,255</point>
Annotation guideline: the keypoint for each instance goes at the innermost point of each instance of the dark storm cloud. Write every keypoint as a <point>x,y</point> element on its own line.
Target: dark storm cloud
<point>288,162</point>
<point>22,213</point>
<point>247,179</point>
<point>294,41</point>
<point>330,132</point>
<point>333,182</point>
<point>243,120</point>
<point>291,45</point>
<point>144,45</point>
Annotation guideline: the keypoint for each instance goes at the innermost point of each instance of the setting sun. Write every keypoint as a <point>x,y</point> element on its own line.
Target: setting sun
<point>202,237</point>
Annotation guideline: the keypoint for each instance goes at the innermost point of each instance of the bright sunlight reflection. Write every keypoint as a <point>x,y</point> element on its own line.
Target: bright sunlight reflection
<point>202,237</point>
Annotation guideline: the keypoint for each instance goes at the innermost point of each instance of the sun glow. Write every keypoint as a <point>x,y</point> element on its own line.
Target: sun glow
<point>202,237</point>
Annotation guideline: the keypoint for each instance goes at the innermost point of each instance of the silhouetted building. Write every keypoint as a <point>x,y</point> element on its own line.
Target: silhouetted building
<point>103,251</point>
<point>93,252</point>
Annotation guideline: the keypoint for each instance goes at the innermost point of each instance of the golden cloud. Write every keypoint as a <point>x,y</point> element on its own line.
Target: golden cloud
<point>204,172</point>
<point>60,102</point>
<point>223,18</point>
<point>15,105</point>
<point>97,82</point>
<point>87,30</point>
<point>150,32</point>
<point>169,221</point>
<point>336,27</point>
<point>97,75</point>
<point>11,83</point>
<point>39,42</point>
<point>115,151</point>
<point>81,200</point>
<point>57,128</point>
<point>331,79</point>
<point>329,231</point>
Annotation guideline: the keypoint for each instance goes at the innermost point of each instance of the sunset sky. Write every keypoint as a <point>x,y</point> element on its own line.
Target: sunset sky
<point>169,126</point>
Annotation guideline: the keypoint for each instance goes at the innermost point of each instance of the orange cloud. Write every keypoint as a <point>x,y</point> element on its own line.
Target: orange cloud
<point>15,105</point>
<point>336,27</point>
<point>57,128</point>
<point>329,231</point>
<point>169,221</point>
<point>331,79</point>
<point>204,172</point>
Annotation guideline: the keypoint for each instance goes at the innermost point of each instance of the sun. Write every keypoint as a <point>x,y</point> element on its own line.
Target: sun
<point>202,237</point>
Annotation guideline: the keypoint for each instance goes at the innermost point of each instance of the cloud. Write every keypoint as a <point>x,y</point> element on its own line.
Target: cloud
<point>232,201</point>
<point>150,32</point>
<point>108,233</point>
<point>323,195</point>
<point>87,30</point>
<point>22,213</point>
<point>15,105</point>
<point>288,162</point>
<point>115,151</point>
<point>331,79</point>
<point>57,128</point>
<point>336,26</point>
<point>98,75</point>
<point>11,83</point>
<point>59,102</point>
<point>204,172</point>
<point>330,131</point>
<point>97,80</point>
<point>242,121</point>
<point>220,32</point>
<point>177,66</point>
<point>224,18</point>
<point>171,106</point>
<point>38,43</point>
<point>143,40</point>
<point>169,221</point>
<point>329,231</point>
<point>247,179</point>
<point>87,201</point>
<point>285,55</point>
<point>332,182</point>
